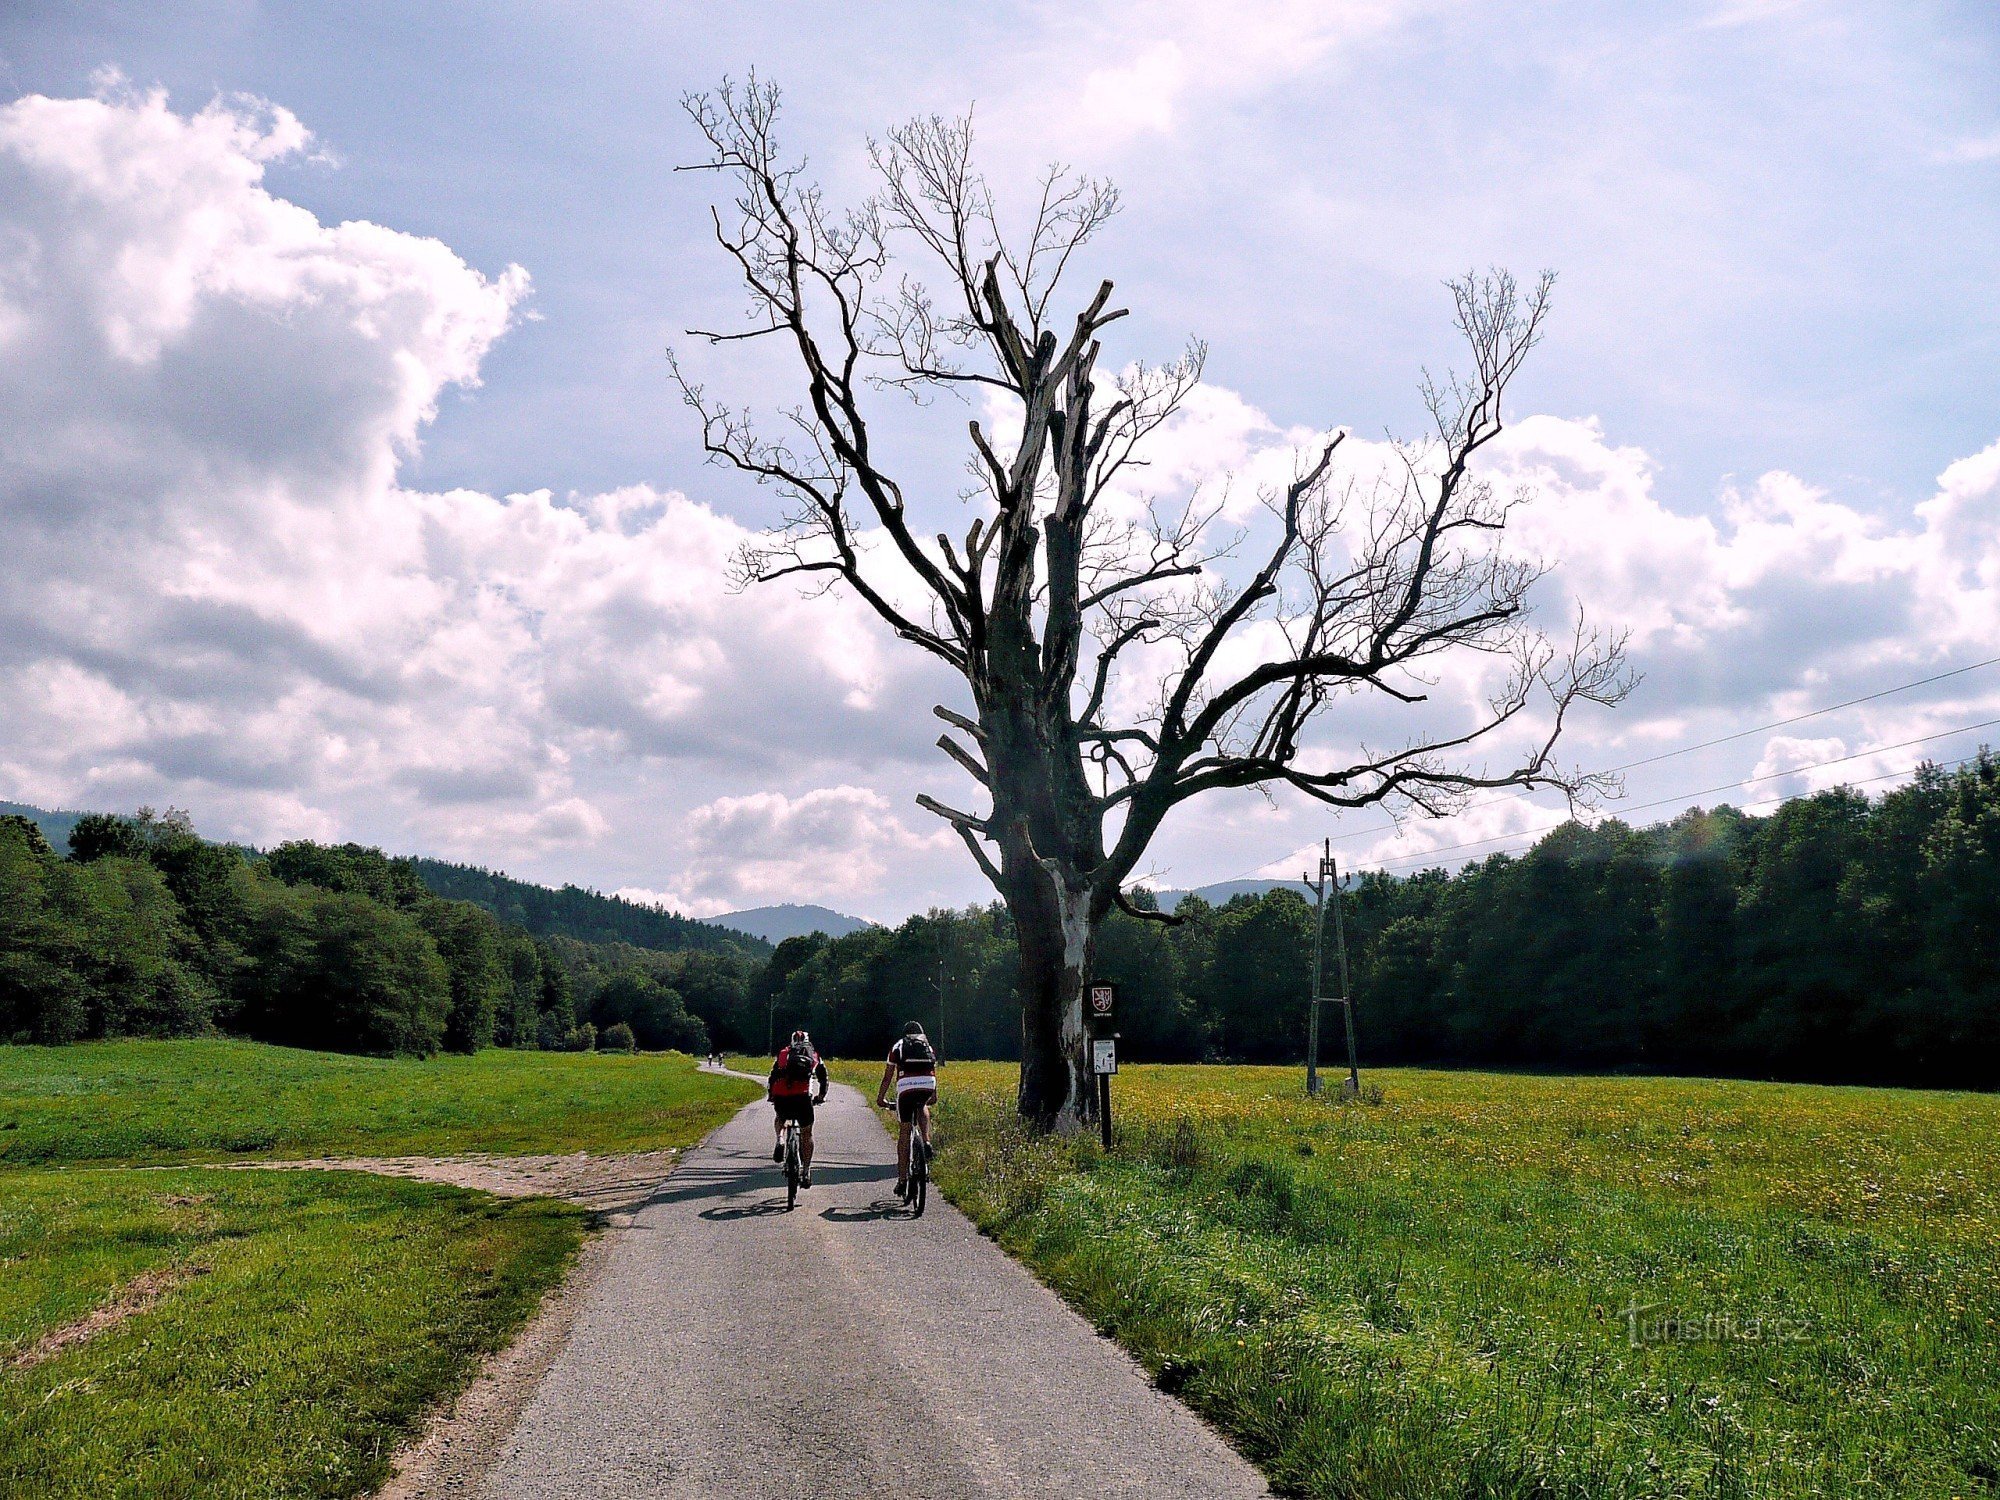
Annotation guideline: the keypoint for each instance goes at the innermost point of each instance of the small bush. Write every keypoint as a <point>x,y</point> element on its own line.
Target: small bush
<point>580,1038</point>
<point>617,1038</point>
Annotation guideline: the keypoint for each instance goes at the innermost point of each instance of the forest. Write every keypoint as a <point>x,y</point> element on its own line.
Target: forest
<point>1838,939</point>
<point>143,928</point>
<point>1841,938</point>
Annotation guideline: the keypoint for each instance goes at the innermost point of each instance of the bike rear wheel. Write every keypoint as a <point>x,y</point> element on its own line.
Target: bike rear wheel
<point>791,1169</point>
<point>920,1176</point>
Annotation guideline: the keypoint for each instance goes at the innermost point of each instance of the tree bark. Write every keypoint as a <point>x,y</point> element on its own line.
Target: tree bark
<point>1056,933</point>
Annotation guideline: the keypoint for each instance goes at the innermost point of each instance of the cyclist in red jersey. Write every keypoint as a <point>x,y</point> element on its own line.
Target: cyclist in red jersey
<point>790,1087</point>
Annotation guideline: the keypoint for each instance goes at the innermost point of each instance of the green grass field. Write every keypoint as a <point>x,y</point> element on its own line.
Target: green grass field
<point>1435,1296</point>
<point>320,1314</point>
<point>133,1102</point>
<point>304,1321</point>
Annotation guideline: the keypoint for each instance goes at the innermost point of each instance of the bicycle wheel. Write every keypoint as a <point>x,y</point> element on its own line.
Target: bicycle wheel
<point>920,1176</point>
<point>791,1170</point>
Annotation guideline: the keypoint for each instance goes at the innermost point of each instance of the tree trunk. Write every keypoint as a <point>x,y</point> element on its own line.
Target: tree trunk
<point>1055,929</point>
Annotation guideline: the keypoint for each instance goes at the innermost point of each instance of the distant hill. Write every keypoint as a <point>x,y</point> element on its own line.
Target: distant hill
<point>587,916</point>
<point>1223,890</point>
<point>776,923</point>
<point>55,826</point>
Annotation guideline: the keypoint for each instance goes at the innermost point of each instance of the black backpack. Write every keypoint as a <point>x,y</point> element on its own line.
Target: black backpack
<point>798,1064</point>
<point>917,1055</point>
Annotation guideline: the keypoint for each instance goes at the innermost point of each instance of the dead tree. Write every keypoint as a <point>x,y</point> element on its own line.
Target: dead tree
<point>1091,629</point>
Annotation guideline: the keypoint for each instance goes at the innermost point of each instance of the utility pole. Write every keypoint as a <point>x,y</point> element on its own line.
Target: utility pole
<point>941,976</point>
<point>1346,990</point>
<point>1328,885</point>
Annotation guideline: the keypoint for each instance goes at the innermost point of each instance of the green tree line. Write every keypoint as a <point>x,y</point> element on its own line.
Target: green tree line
<point>1840,938</point>
<point>145,929</point>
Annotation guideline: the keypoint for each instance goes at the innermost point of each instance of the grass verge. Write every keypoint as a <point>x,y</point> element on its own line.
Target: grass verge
<point>148,1102</point>
<point>1576,1289</point>
<point>199,1333</point>
<point>309,1321</point>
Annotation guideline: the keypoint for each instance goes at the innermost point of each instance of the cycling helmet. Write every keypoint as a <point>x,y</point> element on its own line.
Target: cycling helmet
<point>800,1039</point>
<point>915,1028</point>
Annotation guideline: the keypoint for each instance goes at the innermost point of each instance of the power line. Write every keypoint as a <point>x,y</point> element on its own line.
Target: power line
<point>1741,734</point>
<point>1817,713</point>
<point>1817,765</point>
<point>1744,734</point>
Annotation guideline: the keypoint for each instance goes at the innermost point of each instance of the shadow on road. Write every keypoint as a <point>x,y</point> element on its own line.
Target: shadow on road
<point>688,1184</point>
<point>755,1174</point>
<point>746,1211</point>
<point>881,1208</point>
<point>866,1172</point>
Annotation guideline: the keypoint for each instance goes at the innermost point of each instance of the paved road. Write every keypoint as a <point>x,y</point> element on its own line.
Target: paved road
<point>731,1349</point>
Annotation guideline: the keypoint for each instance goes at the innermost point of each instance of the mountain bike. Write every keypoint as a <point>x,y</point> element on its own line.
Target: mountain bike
<point>794,1166</point>
<point>916,1185</point>
<point>920,1174</point>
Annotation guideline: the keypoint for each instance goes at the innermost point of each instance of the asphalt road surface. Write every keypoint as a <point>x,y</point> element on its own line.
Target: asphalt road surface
<point>843,1349</point>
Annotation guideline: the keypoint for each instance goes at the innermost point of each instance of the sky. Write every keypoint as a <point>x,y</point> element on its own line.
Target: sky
<point>344,492</point>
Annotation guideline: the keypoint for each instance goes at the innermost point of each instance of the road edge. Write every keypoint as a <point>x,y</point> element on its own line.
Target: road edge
<point>1228,1440</point>
<point>462,1441</point>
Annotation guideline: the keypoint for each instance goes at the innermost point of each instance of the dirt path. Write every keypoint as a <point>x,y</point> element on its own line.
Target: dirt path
<point>725,1347</point>
<point>609,1184</point>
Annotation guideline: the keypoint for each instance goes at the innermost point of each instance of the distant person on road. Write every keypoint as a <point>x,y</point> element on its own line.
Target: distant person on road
<point>790,1087</point>
<point>913,1070</point>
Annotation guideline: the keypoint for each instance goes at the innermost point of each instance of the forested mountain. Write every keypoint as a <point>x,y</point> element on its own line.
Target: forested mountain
<point>587,916</point>
<point>570,911</point>
<point>55,825</point>
<point>1223,891</point>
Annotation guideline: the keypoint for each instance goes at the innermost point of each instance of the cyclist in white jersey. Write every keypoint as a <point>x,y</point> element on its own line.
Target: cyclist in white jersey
<point>912,1068</point>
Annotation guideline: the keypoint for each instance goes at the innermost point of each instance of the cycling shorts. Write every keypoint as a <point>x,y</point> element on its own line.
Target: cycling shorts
<point>794,1107</point>
<point>910,1102</point>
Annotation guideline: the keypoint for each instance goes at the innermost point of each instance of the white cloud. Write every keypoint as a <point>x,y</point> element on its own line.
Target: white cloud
<point>674,901</point>
<point>1784,769</point>
<point>1166,60</point>
<point>1974,149</point>
<point>1787,578</point>
<point>834,844</point>
<point>216,591</point>
<point>1786,600</point>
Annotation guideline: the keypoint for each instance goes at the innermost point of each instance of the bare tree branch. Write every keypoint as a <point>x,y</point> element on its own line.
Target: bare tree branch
<point>1361,585</point>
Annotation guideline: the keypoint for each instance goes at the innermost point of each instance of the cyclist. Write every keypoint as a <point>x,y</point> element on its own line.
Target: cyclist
<point>790,1091</point>
<point>912,1068</point>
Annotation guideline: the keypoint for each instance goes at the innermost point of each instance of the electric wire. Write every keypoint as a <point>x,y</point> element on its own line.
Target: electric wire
<point>1741,734</point>
<point>1832,708</point>
<point>1630,765</point>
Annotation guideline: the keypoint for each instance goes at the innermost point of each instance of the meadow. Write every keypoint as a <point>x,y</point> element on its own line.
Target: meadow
<point>287,1330</point>
<point>185,1101</point>
<point>1504,1285</point>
